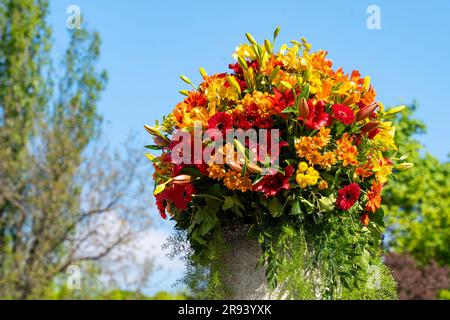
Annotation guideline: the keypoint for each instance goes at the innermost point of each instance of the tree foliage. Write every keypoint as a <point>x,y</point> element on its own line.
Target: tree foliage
<point>418,203</point>
<point>64,197</point>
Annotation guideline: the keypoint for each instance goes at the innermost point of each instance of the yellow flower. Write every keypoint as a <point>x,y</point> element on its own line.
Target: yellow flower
<point>301,180</point>
<point>382,168</point>
<point>261,100</point>
<point>245,51</point>
<point>385,138</point>
<point>302,167</point>
<point>217,92</point>
<point>309,178</point>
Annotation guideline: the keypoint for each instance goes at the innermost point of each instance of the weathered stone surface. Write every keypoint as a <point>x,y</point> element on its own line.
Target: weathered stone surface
<point>241,277</point>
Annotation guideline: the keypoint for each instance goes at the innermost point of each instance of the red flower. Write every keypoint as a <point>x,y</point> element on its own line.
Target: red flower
<point>343,113</point>
<point>161,207</point>
<point>239,73</point>
<point>221,121</point>
<point>317,117</point>
<point>178,195</point>
<point>347,196</point>
<point>271,185</point>
<point>236,67</point>
<point>252,119</point>
<point>281,100</point>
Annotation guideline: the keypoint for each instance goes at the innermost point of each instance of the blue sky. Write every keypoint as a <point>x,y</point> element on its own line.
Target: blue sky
<point>148,44</point>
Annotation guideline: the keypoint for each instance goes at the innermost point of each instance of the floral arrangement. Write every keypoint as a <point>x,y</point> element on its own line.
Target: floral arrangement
<point>325,150</point>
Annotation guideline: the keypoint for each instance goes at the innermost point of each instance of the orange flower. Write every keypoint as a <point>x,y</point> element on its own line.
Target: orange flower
<point>323,185</point>
<point>327,160</point>
<point>235,181</point>
<point>216,171</point>
<point>369,96</point>
<point>346,151</point>
<point>364,171</point>
<point>185,115</point>
<point>322,138</point>
<point>365,219</point>
<point>374,195</point>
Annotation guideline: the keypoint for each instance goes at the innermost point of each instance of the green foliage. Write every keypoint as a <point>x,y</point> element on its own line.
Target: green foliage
<point>47,121</point>
<point>417,202</point>
<point>444,295</point>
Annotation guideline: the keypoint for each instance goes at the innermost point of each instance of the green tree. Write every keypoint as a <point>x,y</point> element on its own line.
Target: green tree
<point>418,203</point>
<point>58,184</point>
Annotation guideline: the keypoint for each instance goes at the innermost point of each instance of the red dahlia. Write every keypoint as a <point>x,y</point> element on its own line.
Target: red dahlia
<point>221,121</point>
<point>347,196</point>
<point>343,113</point>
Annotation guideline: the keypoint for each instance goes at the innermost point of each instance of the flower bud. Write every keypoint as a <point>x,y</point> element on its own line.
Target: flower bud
<point>233,82</point>
<point>203,73</point>
<point>268,46</point>
<point>286,84</point>
<point>365,112</point>
<point>152,130</point>
<point>253,168</point>
<point>303,109</point>
<point>276,32</point>
<point>242,63</point>
<point>234,165</point>
<point>182,180</point>
<point>404,166</point>
<point>161,141</point>
<point>366,84</point>
<point>307,74</point>
<point>250,38</point>
<point>370,127</point>
<point>185,79</point>
<point>395,110</point>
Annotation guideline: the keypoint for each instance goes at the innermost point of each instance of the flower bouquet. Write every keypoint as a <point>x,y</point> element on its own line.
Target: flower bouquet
<point>294,151</point>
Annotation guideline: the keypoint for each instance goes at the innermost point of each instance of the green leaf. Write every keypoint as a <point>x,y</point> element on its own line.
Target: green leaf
<point>228,203</point>
<point>305,92</point>
<point>290,110</point>
<point>326,204</point>
<point>296,209</point>
<point>153,147</point>
<point>275,208</point>
<point>378,217</point>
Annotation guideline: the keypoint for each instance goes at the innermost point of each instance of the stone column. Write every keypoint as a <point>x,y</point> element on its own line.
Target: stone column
<point>240,275</point>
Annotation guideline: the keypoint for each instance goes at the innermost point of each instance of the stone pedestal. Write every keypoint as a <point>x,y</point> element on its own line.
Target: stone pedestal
<point>240,275</point>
